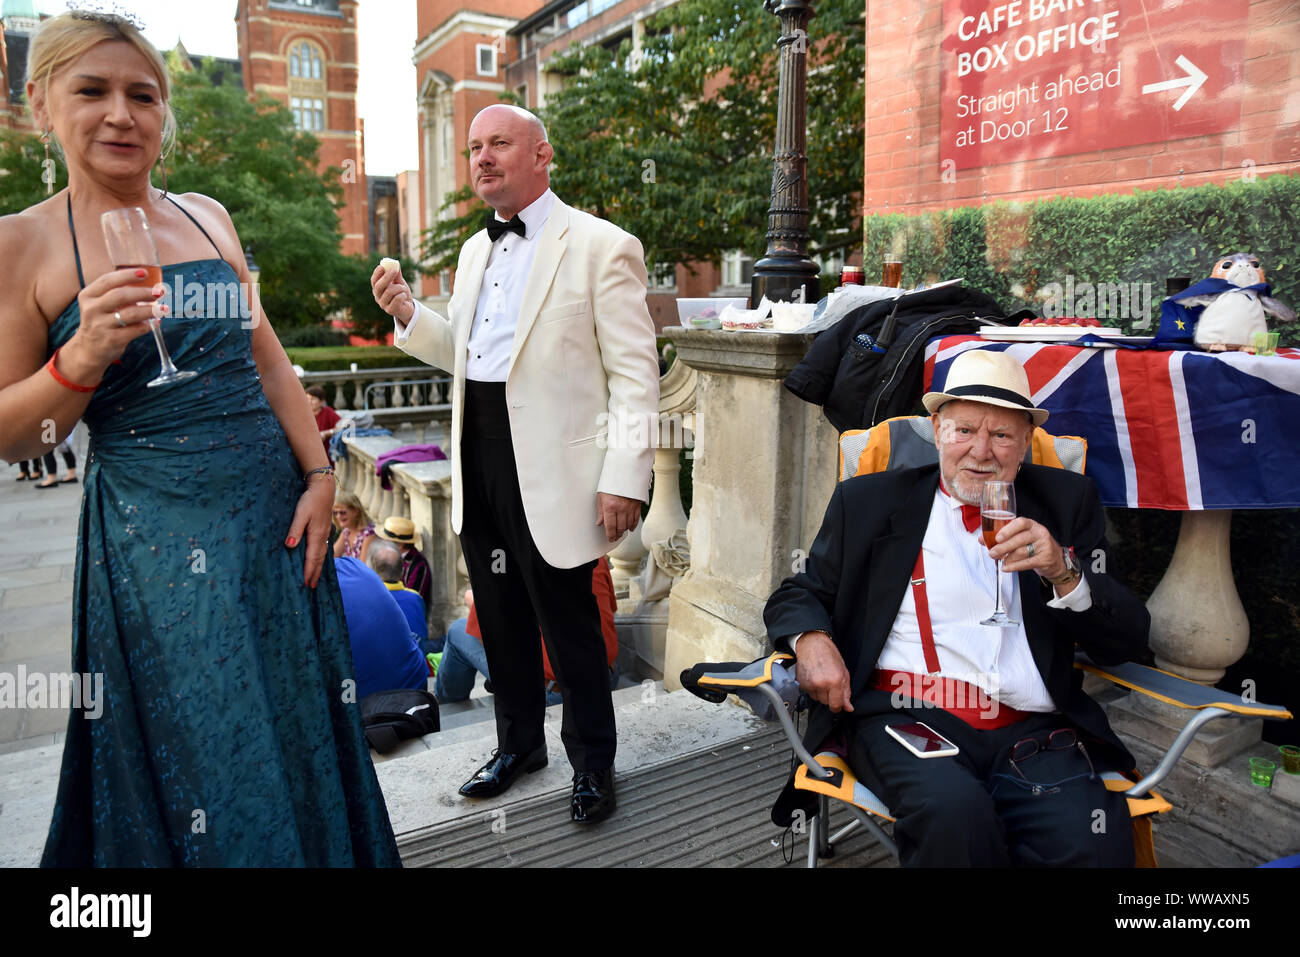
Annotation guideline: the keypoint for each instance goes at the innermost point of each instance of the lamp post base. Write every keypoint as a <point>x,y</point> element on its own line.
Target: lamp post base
<point>785,279</point>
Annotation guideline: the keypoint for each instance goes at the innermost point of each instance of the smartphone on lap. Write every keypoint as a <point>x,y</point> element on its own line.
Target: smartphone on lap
<point>922,740</point>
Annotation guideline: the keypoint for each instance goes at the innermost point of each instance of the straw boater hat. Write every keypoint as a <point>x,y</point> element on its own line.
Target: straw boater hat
<point>399,530</point>
<point>994,378</point>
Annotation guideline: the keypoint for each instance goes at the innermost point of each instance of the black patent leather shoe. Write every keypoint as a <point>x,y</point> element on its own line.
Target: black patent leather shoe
<point>500,772</point>
<point>593,795</point>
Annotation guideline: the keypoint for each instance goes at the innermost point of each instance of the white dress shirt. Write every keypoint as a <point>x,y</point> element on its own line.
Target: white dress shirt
<point>959,591</point>
<point>500,296</point>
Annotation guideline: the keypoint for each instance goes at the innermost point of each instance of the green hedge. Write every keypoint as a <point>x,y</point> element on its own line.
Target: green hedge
<point>1012,250</point>
<point>330,358</point>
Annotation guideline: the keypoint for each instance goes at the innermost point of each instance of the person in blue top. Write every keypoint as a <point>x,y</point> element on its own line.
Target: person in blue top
<point>385,654</point>
<point>206,597</point>
<point>386,560</point>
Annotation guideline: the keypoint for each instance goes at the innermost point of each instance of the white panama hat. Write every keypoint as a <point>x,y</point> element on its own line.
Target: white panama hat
<point>994,378</point>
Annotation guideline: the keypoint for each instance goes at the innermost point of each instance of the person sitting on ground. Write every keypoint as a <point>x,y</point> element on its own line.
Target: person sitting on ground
<point>415,570</point>
<point>385,655</point>
<point>463,656</point>
<point>327,419</point>
<point>355,528</point>
<point>885,623</point>
<point>386,560</point>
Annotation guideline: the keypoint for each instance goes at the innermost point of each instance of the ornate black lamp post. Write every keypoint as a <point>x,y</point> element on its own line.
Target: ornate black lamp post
<point>786,273</point>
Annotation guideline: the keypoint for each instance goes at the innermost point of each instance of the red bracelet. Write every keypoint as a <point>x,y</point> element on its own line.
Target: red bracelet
<point>67,383</point>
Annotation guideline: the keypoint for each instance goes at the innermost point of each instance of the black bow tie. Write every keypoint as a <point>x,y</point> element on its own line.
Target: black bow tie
<point>496,228</point>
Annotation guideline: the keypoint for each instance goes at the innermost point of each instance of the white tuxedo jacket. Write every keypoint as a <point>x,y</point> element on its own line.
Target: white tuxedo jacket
<point>583,367</point>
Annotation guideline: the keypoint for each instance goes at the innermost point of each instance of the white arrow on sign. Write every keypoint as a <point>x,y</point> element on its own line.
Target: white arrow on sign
<point>1193,81</point>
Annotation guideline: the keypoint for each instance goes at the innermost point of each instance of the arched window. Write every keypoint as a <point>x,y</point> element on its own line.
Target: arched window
<point>305,61</point>
<point>307,86</point>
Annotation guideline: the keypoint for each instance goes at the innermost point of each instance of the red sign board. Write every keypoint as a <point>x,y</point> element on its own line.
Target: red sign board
<point>1025,79</point>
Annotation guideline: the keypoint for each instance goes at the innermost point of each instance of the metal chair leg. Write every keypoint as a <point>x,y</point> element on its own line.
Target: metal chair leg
<point>824,847</point>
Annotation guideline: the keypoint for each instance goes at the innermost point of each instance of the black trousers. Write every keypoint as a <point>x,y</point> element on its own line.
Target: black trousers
<point>516,592</point>
<point>974,810</point>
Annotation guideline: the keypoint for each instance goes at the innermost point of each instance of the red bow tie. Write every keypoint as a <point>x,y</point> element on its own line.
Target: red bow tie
<point>970,514</point>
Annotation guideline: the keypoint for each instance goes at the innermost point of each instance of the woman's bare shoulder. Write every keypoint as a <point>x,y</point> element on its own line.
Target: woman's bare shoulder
<point>32,249</point>
<point>214,218</point>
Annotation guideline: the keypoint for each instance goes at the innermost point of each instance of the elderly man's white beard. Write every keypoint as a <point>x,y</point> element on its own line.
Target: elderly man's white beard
<point>967,492</point>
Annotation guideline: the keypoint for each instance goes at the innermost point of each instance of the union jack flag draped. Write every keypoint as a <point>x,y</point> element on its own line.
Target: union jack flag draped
<point>1173,430</point>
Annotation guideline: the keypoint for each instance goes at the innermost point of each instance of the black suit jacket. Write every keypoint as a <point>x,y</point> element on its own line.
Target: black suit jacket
<point>862,559</point>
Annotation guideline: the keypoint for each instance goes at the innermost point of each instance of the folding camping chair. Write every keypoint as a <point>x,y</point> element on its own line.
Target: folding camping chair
<point>770,687</point>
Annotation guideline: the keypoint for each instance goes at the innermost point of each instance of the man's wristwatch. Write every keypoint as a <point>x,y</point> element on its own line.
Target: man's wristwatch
<point>1073,568</point>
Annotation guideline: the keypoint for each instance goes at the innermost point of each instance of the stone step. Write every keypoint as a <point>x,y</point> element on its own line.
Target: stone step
<point>420,789</point>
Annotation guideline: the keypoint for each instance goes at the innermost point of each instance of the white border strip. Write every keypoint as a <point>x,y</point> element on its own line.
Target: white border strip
<point>1121,428</point>
<point>1186,437</point>
<point>1067,370</point>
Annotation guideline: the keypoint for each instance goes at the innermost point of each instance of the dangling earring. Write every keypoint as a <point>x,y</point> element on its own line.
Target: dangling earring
<point>163,163</point>
<point>47,167</point>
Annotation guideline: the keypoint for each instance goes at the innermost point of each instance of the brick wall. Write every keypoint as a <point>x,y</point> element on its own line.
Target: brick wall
<point>902,171</point>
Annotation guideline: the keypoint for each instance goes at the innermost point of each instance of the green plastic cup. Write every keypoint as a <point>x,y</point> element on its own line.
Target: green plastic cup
<point>1261,771</point>
<point>1290,758</point>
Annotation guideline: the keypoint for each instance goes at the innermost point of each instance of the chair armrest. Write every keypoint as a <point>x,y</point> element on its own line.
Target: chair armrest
<point>1177,691</point>
<point>767,685</point>
<point>1206,703</point>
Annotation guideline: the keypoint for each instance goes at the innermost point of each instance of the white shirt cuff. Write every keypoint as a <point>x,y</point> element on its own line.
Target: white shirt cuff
<point>1080,599</point>
<point>403,332</point>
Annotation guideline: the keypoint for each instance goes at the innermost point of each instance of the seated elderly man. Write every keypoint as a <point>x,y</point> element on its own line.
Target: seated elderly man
<point>885,624</point>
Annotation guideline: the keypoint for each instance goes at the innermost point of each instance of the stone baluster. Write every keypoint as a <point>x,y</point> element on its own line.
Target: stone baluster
<point>764,468</point>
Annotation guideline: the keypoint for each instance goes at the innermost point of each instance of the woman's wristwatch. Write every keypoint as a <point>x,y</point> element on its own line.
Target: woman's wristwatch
<point>1073,568</point>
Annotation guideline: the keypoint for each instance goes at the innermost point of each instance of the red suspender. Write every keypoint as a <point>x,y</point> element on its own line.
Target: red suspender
<point>923,614</point>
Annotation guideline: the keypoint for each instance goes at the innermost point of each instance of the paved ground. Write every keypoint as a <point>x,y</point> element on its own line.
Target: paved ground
<point>38,539</point>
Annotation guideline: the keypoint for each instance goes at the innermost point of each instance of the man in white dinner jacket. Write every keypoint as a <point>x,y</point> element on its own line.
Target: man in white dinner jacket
<point>556,380</point>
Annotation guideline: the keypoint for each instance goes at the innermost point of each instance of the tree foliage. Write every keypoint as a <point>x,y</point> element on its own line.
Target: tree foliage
<point>674,143</point>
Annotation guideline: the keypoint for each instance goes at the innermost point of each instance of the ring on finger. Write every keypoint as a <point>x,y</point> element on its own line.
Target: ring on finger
<point>120,323</point>
<point>1030,549</point>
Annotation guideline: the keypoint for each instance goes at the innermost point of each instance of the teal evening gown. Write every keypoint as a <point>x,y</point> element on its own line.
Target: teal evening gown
<point>229,735</point>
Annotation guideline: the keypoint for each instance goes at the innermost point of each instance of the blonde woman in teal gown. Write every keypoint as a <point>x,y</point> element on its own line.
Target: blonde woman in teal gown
<point>205,590</point>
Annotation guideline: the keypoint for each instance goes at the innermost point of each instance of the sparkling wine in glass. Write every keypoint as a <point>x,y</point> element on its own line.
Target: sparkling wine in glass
<point>997,507</point>
<point>131,246</point>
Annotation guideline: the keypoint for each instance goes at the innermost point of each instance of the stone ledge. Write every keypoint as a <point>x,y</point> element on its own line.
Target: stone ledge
<point>764,354</point>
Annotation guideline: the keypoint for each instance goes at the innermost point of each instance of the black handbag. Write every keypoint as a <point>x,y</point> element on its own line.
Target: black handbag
<point>391,717</point>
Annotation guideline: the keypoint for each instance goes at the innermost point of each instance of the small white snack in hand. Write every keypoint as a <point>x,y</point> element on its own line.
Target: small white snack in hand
<point>391,265</point>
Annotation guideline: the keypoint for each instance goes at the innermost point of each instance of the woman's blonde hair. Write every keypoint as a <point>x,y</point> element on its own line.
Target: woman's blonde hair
<point>350,500</point>
<point>62,39</point>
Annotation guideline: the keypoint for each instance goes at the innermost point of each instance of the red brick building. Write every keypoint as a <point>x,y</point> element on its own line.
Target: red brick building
<point>304,54</point>
<point>460,57</point>
<point>1248,102</point>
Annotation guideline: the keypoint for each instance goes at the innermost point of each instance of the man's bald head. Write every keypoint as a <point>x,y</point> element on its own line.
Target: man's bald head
<point>509,158</point>
<point>532,119</point>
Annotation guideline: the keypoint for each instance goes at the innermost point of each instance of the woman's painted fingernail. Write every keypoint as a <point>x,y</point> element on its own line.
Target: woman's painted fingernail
<point>291,542</point>
<point>140,274</point>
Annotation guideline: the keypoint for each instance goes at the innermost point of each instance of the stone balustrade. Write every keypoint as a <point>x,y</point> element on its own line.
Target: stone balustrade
<point>402,387</point>
<point>420,491</point>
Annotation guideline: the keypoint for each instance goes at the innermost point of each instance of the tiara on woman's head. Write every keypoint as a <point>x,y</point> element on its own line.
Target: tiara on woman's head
<point>110,13</point>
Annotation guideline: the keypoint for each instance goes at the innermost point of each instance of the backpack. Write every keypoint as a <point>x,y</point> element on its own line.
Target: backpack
<point>868,367</point>
<point>393,716</point>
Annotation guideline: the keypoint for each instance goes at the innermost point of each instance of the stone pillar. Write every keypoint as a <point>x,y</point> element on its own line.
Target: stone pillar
<point>765,465</point>
<point>1198,629</point>
<point>428,486</point>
